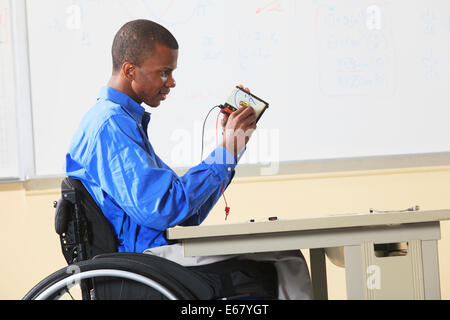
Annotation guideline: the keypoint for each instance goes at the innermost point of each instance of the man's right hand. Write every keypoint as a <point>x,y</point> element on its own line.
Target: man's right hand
<point>238,129</point>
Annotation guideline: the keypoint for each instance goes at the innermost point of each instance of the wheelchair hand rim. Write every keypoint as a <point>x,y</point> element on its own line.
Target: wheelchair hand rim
<point>76,278</point>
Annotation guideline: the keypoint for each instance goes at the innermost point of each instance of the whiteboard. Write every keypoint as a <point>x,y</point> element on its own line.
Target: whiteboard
<point>9,162</point>
<point>344,79</point>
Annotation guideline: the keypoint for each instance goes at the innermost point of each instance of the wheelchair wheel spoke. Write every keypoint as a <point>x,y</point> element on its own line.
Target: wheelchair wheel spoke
<point>68,291</point>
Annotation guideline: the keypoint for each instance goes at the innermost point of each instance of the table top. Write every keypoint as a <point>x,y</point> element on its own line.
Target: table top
<point>309,223</point>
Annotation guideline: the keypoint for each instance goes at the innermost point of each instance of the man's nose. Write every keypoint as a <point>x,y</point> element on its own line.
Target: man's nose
<point>171,83</point>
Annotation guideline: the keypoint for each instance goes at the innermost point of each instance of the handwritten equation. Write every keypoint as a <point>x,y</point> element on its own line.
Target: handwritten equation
<point>176,12</point>
<point>435,27</point>
<point>256,46</point>
<point>355,50</point>
<point>269,7</point>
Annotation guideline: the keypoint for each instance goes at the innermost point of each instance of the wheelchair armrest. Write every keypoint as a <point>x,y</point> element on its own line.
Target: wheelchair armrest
<point>62,215</point>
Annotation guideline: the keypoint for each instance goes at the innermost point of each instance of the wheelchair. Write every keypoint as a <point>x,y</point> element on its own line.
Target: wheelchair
<point>96,271</point>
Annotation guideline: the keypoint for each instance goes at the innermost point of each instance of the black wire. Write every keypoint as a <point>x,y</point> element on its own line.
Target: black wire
<point>203,131</point>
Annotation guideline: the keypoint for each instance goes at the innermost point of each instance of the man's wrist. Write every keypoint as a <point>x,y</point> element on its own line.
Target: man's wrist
<point>230,149</point>
<point>221,156</point>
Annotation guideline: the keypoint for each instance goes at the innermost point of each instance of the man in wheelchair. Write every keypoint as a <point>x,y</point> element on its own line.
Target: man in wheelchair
<point>120,197</point>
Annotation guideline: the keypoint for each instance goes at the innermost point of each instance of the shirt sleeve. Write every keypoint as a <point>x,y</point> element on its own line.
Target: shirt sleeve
<point>153,196</point>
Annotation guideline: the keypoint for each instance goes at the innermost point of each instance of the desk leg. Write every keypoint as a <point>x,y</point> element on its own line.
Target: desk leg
<point>353,272</point>
<point>318,273</point>
<point>431,270</point>
<point>413,276</point>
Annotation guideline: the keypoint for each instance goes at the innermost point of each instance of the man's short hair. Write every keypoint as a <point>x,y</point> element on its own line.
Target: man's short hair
<point>135,41</point>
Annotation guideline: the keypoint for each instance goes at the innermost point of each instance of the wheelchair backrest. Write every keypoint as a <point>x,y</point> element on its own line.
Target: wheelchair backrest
<point>83,229</point>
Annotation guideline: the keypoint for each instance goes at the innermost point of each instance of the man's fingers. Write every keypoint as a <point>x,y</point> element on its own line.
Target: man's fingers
<point>242,87</point>
<point>250,123</point>
<point>224,120</point>
<point>239,111</point>
<point>225,117</point>
<point>245,113</point>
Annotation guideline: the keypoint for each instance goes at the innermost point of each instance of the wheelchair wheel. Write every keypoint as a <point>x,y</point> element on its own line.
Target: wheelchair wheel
<point>123,271</point>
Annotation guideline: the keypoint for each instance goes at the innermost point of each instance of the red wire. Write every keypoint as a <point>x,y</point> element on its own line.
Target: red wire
<point>227,208</point>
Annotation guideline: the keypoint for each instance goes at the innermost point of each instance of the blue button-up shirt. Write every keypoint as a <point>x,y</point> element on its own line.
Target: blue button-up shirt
<point>136,191</point>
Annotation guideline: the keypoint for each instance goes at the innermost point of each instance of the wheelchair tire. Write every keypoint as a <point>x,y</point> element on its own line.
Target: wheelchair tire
<point>52,286</point>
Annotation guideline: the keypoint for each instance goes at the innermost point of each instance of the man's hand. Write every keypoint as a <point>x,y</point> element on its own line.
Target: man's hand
<point>238,128</point>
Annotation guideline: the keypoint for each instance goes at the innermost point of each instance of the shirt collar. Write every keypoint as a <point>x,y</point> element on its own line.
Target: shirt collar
<point>134,109</point>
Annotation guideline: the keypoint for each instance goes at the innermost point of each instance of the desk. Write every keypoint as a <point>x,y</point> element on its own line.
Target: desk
<point>411,276</point>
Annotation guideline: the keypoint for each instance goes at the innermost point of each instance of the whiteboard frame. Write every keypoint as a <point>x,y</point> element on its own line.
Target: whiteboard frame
<point>11,177</point>
<point>347,165</point>
<point>309,168</point>
<point>24,118</point>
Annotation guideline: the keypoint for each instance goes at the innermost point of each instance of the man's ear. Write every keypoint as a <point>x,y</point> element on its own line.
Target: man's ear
<point>128,71</point>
